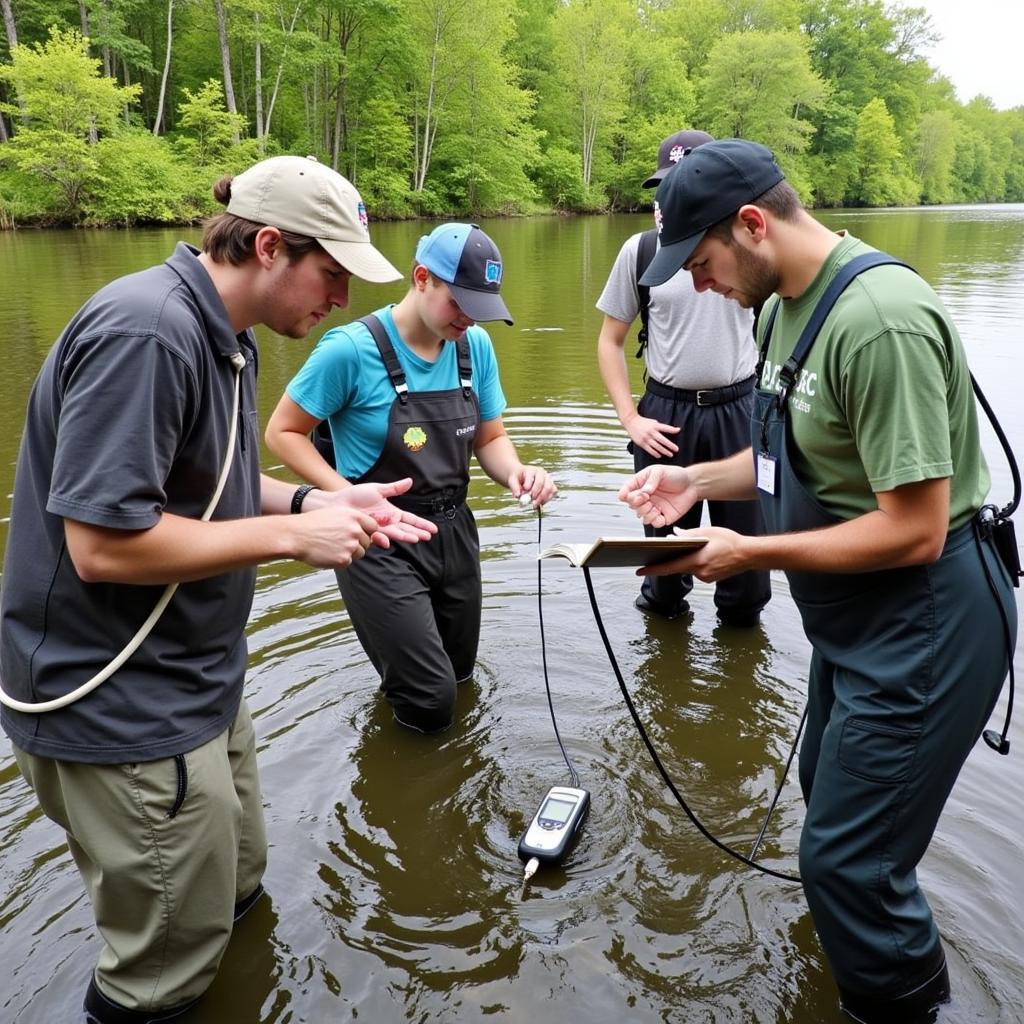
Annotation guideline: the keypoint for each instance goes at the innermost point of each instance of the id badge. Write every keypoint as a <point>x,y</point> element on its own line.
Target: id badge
<point>766,466</point>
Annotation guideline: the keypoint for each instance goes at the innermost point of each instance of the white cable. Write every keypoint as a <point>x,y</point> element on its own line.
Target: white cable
<point>238,363</point>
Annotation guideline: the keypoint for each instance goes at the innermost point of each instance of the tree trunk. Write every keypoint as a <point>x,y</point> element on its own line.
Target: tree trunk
<point>84,15</point>
<point>260,141</point>
<point>167,69</point>
<point>280,67</point>
<point>225,59</point>
<point>9,26</point>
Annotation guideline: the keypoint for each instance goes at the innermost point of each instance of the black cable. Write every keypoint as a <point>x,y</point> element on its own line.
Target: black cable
<point>1011,507</point>
<point>998,743</point>
<point>778,788</point>
<point>573,777</point>
<point>657,761</point>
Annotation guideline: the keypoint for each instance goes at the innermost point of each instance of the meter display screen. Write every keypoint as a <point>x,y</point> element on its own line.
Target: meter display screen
<point>557,811</point>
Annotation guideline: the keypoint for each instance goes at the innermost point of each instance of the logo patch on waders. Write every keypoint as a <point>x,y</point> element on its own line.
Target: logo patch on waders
<point>414,438</point>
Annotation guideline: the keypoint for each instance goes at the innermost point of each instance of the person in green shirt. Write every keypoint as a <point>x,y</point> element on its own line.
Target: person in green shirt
<point>867,464</point>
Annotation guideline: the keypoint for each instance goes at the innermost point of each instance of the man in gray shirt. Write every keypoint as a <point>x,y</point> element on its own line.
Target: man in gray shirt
<point>139,514</point>
<point>700,359</point>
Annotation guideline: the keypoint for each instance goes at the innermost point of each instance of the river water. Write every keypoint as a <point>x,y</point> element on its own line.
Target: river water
<point>394,886</point>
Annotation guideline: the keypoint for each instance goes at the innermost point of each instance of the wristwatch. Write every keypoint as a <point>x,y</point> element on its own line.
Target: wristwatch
<point>300,496</point>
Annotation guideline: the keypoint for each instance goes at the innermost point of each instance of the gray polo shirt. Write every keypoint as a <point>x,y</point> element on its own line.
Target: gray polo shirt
<point>695,339</point>
<point>128,419</point>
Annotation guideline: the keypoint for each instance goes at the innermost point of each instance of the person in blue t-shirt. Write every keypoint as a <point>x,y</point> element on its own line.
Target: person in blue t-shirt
<point>413,390</point>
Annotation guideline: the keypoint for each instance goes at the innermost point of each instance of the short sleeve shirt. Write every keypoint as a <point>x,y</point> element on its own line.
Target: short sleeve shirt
<point>128,420</point>
<point>695,339</point>
<point>344,381</point>
<point>884,397</point>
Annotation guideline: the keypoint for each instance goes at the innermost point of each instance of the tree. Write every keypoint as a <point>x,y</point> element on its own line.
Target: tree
<point>878,156</point>
<point>760,86</point>
<point>590,59</point>
<point>209,130</point>
<point>167,69</point>
<point>65,102</point>
<point>936,150</point>
<point>225,58</point>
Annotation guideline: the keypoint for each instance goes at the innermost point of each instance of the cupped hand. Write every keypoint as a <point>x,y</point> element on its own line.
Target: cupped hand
<point>393,523</point>
<point>534,481</point>
<point>660,495</point>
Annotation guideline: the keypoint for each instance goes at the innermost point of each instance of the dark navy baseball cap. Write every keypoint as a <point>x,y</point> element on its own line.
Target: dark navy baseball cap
<point>710,184</point>
<point>467,261</point>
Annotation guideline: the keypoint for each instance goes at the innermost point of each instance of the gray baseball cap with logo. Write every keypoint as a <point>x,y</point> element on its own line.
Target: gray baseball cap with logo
<point>306,197</point>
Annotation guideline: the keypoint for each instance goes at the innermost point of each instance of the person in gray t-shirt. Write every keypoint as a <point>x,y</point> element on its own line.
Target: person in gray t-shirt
<point>138,489</point>
<point>699,360</point>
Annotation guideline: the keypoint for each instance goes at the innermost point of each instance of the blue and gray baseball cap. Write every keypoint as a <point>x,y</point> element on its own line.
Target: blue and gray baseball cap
<point>467,261</point>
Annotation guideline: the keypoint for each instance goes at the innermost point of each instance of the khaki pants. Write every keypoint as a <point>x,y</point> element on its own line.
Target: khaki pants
<point>165,848</point>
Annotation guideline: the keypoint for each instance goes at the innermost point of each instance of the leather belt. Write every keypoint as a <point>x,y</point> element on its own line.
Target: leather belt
<point>703,396</point>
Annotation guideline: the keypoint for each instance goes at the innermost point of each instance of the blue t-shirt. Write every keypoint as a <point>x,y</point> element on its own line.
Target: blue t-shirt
<point>344,382</point>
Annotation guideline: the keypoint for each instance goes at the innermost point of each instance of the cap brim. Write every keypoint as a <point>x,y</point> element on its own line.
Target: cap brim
<point>669,259</point>
<point>362,260</point>
<point>655,178</point>
<point>480,306</point>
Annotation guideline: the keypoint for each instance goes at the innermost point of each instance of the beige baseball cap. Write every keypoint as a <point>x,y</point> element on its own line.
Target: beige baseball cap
<point>302,195</point>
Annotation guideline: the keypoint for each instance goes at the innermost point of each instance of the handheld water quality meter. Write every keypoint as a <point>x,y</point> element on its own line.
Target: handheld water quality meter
<point>562,812</point>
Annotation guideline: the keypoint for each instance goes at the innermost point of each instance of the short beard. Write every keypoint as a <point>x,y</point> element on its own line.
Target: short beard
<point>759,280</point>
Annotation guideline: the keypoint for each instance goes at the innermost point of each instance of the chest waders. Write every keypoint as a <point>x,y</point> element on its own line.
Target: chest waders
<point>906,668</point>
<point>416,607</point>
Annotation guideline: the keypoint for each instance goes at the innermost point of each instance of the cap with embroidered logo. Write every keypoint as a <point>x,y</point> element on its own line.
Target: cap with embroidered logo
<point>466,259</point>
<point>673,149</point>
<point>707,186</point>
<point>306,197</point>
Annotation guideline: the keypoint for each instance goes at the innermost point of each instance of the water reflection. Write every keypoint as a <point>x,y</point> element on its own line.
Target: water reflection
<point>394,888</point>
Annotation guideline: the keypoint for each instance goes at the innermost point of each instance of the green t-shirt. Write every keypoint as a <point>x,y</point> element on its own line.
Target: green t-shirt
<point>884,397</point>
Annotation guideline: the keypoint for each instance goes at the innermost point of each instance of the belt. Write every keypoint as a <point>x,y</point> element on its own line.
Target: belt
<point>704,396</point>
<point>445,504</point>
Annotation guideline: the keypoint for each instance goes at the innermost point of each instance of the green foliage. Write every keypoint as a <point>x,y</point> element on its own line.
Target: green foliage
<point>456,107</point>
<point>60,88</point>
<point>207,129</point>
<point>560,179</point>
<point>758,85</point>
<point>878,156</point>
<point>936,150</point>
<point>139,180</point>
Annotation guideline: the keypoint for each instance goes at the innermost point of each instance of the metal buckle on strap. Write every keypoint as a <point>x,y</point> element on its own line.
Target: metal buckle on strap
<point>706,397</point>
<point>443,507</point>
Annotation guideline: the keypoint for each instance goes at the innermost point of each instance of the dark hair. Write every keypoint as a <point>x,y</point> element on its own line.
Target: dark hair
<point>231,239</point>
<point>780,200</point>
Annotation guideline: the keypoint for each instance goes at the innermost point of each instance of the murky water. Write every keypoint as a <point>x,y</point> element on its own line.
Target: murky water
<point>395,888</point>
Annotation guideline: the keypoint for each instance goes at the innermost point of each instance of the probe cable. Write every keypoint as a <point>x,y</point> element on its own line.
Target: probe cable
<point>573,777</point>
<point>749,861</point>
<point>533,863</point>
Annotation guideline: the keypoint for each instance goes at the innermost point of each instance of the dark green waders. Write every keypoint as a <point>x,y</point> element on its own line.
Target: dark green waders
<point>906,668</point>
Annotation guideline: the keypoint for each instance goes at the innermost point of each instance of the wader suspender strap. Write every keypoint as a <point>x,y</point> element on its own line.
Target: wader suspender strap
<point>791,368</point>
<point>465,365</point>
<point>994,520</point>
<point>394,368</point>
<point>644,254</point>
